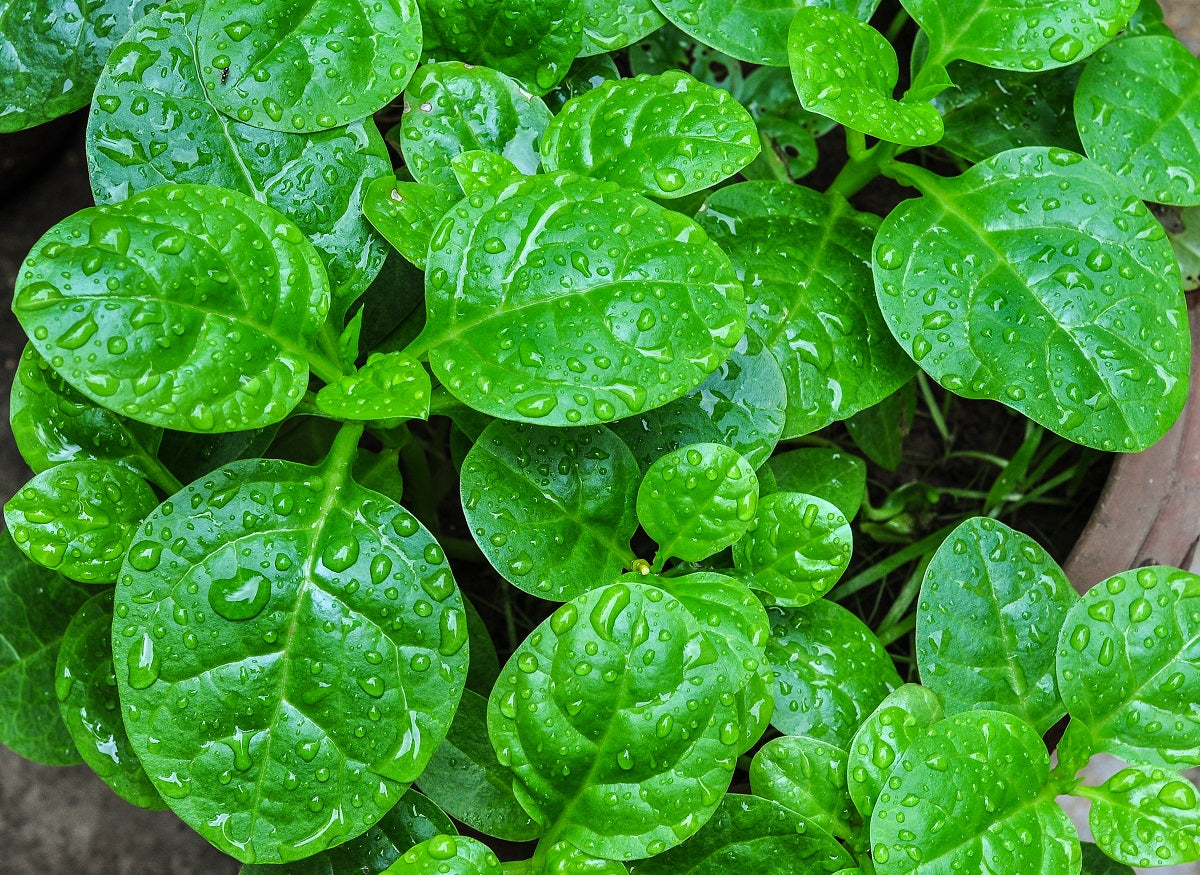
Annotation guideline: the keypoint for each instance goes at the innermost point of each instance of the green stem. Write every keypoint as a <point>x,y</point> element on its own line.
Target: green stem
<point>441,401</point>
<point>893,30</point>
<point>882,569</point>
<point>341,455</point>
<point>160,475</point>
<point>863,168</point>
<point>325,360</point>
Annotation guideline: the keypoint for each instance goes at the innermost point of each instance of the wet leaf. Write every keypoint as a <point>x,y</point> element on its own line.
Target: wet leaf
<point>389,387</point>
<point>900,719</point>
<point>563,859</point>
<point>477,170</point>
<point>608,26</point>
<point>808,777</point>
<point>447,855</point>
<point>837,477</point>
<point>1146,816</point>
<point>407,212</point>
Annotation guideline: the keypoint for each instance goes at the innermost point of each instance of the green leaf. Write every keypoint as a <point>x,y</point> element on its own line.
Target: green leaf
<point>879,431</point>
<point>830,671</point>
<point>308,67</point>
<point>747,831</point>
<point>152,121</point>
<point>112,293</point>
<point>616,693</point>
<point>563,859</point>
<point>551,508</point>
<point>1058,329</point>
<point>789,149</point>
<point>262,651</point>
<point>1147,21</point>
<point>478,170</point>
<point>191,456</point>
<point>406,213</point>
<point>1146,816</point>
<point>1183,230</point>
<point>52,423</point>
<point>1152,139</point>
<point>992,605</point>
<point>87,699</point>
<point>1027,35</point>
<point>467,781</point>
<point>1096,862</point>
<point>802,257</point>
<point>38,605</point>
<point>380,472</point>
<point>585,74</point>
<point>609,26</point>
<point>666,136</point>
<point>808,777</point>
<point>451,108</point>
<point>560,325</point>
<point>1126,665</point>
<point>50,57</point>
<point>484,665</point>
<point>389,387</point>
<point>900,719</point>
<point>1075,748</point>
<point>533,43</point>
<point>796,548</point>
<point>79,517</point>
<point>844,69</point>
<point>741,404</point>
<point>970,795</point>
<point>697,500</point>
<point>447,855</point>
<point>837,477</point>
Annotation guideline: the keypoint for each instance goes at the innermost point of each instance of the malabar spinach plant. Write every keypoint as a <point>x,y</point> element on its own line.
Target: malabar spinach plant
<point>320,430</point>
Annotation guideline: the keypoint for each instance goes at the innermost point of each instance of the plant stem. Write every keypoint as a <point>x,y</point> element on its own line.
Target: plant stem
<point>340,458</point>
<point>882,569</point>
<point>160,475</point>
<point>897,24</point>
<point>861,170</point>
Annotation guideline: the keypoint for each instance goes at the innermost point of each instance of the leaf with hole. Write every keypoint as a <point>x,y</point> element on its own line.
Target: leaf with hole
<point>898,721</point>
<point>808,777</point>
<point>1146,816</point>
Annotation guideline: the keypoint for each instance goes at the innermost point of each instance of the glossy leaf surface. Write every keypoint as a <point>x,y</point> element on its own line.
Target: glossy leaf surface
<point>837,477</point>
<point>306,67</point>
<point>802,257</point>
<point>152,122</point>
<point>559,325</point>
<point>406,213</point>
<point>830,671</point>
<point>666,136</point>
<point>300,610</point>
<point>111,292</point>
<point>992,604</point>
<point>796,548</point>
<point>616,693</point>
<point>390,386</point>
<point>563,859</point>
<point>1151,140</point>
<point>608,26</point>
<point>1146,817</point>
<point>1126,666</point>
<point>1036,279</point>
<point>447,855</point>
<point>39,605</point>
<point>900,719</point>
<point>552,509</point>
<point>478,170</point>
<point>808,777</point>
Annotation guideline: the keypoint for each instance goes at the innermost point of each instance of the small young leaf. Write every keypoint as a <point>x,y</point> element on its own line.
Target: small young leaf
<point>697,500</point>
<point>447,855</point>
<point>666,136</point>
<point>477,170</point>
<point>1075,748</point>
<point>79,517</point>
<point>830,671</point>
<point>586,74</point>
<point>844,69</point>
<point>609,26</point>
<point>1126,666</point>
<point>1055,330</point>
<point>380,472</point>
<point>796,548</point>
<point>992,604</point>
<point>406,213</point>
<point>389,387</point>
<point>1152,139</point>
<point>551,508</point>
<point>879,430</point>
<point>308,67</point>
<point>1146,816</point>
<point>837,477</point>
<point>887,732</point>
<point>808,777</point>
<point>1147,21</point>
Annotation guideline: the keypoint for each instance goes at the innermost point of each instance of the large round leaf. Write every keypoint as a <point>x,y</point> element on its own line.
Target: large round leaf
<point>292,663</point>
<point>310,66</point>
<point>567,301</point>
<point>186,306</point>
<point>1038,280</point>
<point>802,257</point>
<point>614,719</point>
<point>552,509</point>
<point>153,122</point>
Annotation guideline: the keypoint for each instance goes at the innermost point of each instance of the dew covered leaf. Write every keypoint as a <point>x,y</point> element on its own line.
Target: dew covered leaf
<point>879,430</point>
<point>447,855</point>
<point>146,301</point>
<point>52,423</point>
<point>666,136</point>
<point>564,859</point>
<point>50,58</point>
<point>1151,139</point>
<point>751,831</point>
<point>87,699</point>
<point>808,777</point>
<point>79,517</point>
<point>616,693</point>
<point>992,604</point>
<point>153,122</point>
<point>609,25</point>
<point>1147,21</point>
<point>844,69</point>
<point>803,259</point>
<point>451,108</point>
<point>795,549</point>
<point>532,316</point>
<point>1038,280</point>
<point>551,508</point>
<point>830,671</point>
<point>971,792</point>
<point>1146,816</point>
<point>37,605</point>
<point>467,781</point>
<point>389,387</point>
<point>839,478</point>
<point>900,719</point>
<point>1127,666</point>
<point>300,610</point>
<point>306,67</point>
<point>407,212</point>
<point>478,170</point>
<point>697,500</point>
